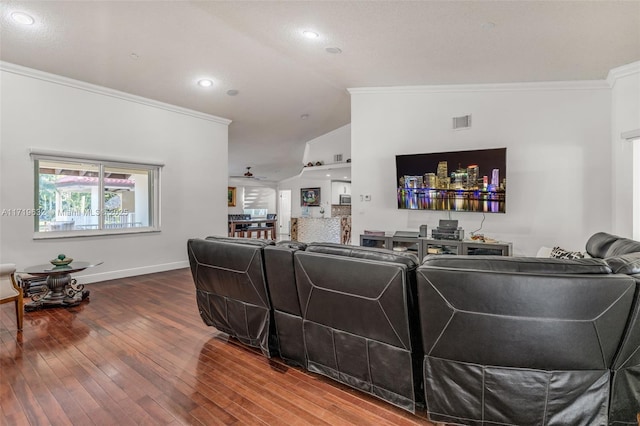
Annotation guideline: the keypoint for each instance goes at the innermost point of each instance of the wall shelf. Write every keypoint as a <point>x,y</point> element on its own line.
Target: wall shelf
<point>337,170</point>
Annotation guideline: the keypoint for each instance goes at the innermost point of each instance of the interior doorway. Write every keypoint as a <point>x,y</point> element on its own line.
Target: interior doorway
<point>284,214</point>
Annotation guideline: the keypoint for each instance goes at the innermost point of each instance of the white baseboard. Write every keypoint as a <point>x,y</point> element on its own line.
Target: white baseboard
<point>124,273</point>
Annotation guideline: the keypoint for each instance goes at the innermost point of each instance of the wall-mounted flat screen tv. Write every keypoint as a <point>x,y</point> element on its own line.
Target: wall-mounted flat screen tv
<point>464,181</point>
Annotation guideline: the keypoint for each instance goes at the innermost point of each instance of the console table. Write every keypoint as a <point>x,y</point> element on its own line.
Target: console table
<point>465,247</point>
<point>423,246</point>
<point>59,289</point>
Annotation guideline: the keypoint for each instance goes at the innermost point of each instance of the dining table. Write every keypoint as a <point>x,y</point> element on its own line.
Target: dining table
<point>246,227</point>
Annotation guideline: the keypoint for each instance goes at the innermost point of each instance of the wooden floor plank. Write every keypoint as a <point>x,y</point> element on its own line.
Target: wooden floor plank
<point>137,353</point>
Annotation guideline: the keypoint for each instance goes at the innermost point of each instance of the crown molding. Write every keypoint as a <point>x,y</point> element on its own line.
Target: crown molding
<point>493,87</point>
<point>100,90</point>
<point>623,71</point>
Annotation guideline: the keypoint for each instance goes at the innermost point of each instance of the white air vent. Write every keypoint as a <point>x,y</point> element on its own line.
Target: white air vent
<point>463,122</point>
<point>337,158</point>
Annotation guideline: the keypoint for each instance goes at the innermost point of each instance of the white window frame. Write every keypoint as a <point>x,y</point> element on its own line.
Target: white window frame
<point>102,162</point>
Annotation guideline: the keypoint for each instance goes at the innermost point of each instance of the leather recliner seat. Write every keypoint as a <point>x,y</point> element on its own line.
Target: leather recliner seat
<point>279,262</point>
<point>521,341</point>
<point>502,340</point>
<point>357,312</point>
<point>231,289</point>
<point>623,257</point>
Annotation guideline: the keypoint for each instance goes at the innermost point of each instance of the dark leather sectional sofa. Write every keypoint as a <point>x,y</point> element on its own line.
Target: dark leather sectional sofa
<point>473,339</point>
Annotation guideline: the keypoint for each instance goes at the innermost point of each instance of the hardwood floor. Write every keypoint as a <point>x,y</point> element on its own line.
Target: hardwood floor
<point>137,353</point>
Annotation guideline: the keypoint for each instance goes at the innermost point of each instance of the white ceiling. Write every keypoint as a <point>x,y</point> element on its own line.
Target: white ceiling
<point>257,48</point>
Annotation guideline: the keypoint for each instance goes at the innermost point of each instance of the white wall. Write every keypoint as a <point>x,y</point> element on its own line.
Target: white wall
<point>339,188</point>
<point>43,111</point>
<point>558,156</point>
<point>625,113</point>
<point>299,182</point>
<point>324,147</point>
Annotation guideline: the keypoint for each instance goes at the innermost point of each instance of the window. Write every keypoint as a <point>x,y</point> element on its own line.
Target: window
<point>258,201</point>
<point>79,196</point>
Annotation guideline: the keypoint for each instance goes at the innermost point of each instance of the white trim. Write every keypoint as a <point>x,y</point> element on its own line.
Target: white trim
<point>88,87</point>
<point>631,135</point>
<point>50,235</point>
<point>498,87</point>
<point>124,273</point>
<point>622,71</point>
<point>47,154</point>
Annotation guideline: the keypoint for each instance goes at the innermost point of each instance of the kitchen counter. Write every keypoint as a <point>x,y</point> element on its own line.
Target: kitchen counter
<point>326,230</point>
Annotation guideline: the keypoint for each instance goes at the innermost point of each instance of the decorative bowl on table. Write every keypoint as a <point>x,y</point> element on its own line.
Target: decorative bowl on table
<point>61,261</point>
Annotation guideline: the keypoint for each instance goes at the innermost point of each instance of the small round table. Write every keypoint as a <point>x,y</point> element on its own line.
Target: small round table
<point>60,288</point>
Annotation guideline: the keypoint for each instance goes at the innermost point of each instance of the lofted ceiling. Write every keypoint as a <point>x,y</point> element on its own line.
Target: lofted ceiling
<point>290,89</point>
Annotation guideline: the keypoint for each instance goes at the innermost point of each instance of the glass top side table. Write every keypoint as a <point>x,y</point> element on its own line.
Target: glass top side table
<point>60,289</point>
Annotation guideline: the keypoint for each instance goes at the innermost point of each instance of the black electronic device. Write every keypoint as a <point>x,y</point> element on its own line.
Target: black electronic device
<point>448,224</point>
<point>448,229</point>
<point>447,234</point>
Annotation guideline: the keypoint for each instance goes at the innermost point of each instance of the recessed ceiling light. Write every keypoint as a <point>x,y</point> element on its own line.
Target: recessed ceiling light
<point>22,18</point>
<point>333,50</point>
<point>346,177</point>
<point>232,92</point>
<point>205,83</point>
<point>304,116</point>
<point>328,175</point>
<point>310,34</point>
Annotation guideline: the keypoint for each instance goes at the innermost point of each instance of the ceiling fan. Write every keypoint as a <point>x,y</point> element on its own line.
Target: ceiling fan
<point>247,175</point>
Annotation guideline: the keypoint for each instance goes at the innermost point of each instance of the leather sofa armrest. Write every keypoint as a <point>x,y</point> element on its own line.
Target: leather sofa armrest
<point>604,245</point>
<point>625,264</point>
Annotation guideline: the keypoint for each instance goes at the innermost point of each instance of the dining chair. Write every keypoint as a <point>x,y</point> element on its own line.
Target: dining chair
<point>10,291</point>
<point>271,227</point>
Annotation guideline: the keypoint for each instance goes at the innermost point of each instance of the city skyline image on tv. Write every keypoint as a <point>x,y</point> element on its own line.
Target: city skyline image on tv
<point>466,181</point>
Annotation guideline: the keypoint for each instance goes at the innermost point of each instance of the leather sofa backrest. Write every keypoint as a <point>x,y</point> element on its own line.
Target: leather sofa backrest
<point>534,265</point>
<point>284,298</point>
<point>360,296</point>
<point>521,319</point>
<point>281,278</point>
<point>408,259</point>
<point>625,390</point>
<point>604,245</point>
<point>231,288</point>
<point>242,241</point>
<point>625,263</point>
<point>509,347</point>
<point>355,307</point>
<point>230,267</point>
